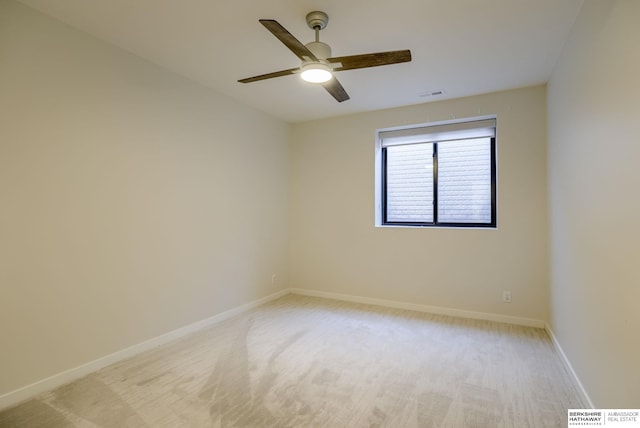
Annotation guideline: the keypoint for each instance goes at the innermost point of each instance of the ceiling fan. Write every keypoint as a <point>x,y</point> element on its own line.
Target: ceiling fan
<point>318,66</point>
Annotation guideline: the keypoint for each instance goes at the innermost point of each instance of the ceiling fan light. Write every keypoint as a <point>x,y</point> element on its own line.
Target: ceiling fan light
<point>316,72</point>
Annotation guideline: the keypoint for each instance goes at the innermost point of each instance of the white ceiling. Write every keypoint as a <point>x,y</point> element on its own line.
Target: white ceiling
<point>463,47</point>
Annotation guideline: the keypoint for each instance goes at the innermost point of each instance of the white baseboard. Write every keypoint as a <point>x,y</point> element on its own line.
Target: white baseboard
<point>569,367</point>
<point>528,322</point>
<point>14,397</point>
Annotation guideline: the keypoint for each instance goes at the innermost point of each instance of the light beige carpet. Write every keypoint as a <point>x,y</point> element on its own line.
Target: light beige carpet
<point>308,362</point>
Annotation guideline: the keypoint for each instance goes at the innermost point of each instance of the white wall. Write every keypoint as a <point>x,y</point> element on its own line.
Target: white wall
<point>336,248</point>
<point>594,183</point>
<point>132,201</point>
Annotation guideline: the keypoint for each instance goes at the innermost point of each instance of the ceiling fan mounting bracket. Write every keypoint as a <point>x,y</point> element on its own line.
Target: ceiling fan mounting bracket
<point>317,20</point>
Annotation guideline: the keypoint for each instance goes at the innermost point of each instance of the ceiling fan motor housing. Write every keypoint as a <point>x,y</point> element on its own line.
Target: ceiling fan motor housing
<point>319,49</point>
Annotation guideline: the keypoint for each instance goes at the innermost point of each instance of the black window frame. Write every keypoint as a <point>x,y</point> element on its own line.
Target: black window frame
<point>435,222</point>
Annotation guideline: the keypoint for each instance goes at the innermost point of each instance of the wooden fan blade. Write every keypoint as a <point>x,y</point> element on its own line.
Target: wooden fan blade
<point>270,75</point>
<point>288,39</point>
<point>370,60</point>
<point>336,90</point>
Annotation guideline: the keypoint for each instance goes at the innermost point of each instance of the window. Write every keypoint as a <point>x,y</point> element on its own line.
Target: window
<point>437,175</point>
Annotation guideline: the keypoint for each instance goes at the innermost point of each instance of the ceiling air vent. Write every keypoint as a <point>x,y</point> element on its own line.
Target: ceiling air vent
<point>431,93</point>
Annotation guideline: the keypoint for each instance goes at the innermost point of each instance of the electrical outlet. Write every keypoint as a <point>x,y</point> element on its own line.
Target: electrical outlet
<point>506,296</point>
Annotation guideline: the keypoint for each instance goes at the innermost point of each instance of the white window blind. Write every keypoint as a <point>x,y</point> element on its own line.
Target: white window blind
<point>410,183</point>
<point>464,181</point>
<point>439,133</point>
